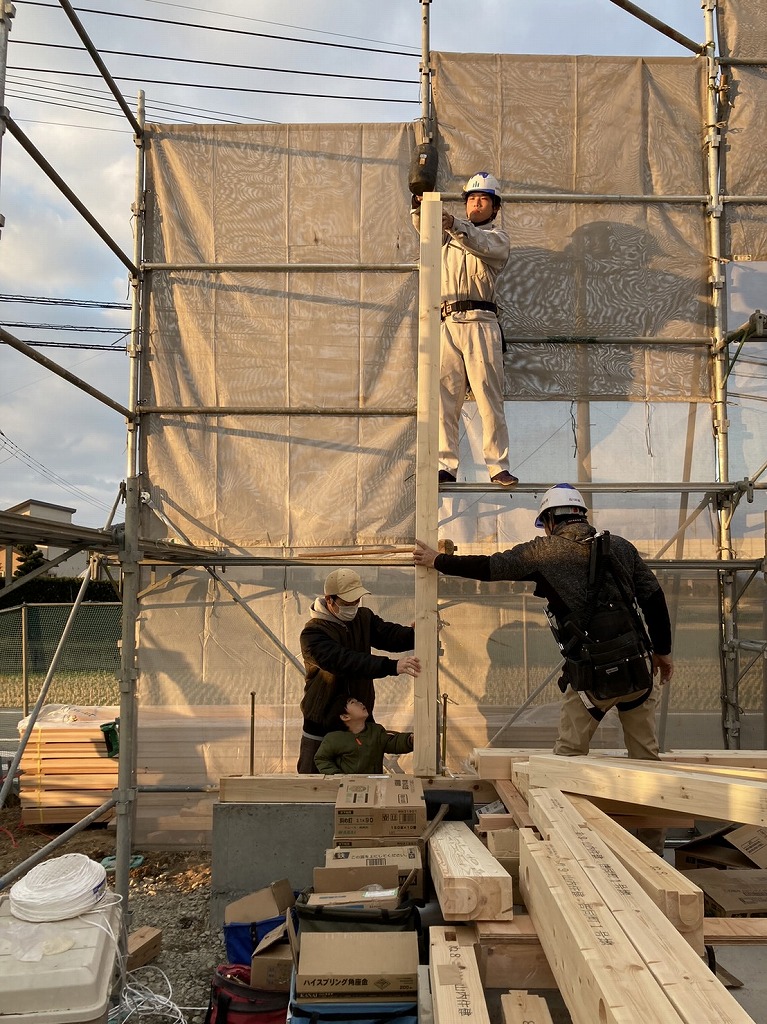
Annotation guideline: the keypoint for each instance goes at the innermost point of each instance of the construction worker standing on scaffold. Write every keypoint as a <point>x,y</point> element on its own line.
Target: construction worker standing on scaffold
<point>474,251</point>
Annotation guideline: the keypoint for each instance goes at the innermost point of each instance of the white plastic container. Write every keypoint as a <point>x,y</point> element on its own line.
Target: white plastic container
<point>71,987</point>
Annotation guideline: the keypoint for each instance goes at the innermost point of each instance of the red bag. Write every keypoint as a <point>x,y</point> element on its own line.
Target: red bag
<point>233,1001</point>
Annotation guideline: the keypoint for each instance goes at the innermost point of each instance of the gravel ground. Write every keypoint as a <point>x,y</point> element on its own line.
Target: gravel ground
<point>170,890</point>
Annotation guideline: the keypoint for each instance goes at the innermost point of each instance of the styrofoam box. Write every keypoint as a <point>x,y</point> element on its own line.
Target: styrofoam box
<point>71,987</point>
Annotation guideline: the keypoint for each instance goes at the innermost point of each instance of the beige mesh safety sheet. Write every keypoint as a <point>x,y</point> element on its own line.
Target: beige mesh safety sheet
<point>604,272</point>
<point>742,29</point>
<point>275,347</point>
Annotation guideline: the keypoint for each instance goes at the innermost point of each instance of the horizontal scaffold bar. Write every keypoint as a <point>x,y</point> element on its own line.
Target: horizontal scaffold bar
<point>264,268</point>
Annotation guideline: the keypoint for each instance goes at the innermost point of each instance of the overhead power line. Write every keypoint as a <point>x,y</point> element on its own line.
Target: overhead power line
<point>224,88</point>
<point>51,300</point>
<point>65,327</point>
<point>144,19</point>
<point>223,64</point>
<point>32,463</point>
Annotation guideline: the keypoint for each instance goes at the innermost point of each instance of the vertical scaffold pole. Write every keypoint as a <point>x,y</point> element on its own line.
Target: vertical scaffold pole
<point>7,13</point>
<point>730,670</point>
<point>129,551</point>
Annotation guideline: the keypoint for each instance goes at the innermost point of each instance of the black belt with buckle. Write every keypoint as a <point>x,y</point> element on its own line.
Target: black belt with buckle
<point>464,305</point>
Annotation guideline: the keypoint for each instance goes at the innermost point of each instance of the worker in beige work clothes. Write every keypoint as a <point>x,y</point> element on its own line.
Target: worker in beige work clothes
<point>474,251</point>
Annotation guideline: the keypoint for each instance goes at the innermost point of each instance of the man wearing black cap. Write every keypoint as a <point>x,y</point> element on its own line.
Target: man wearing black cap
<point>336,644</point>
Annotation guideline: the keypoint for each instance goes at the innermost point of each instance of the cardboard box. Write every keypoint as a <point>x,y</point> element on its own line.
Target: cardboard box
<point>732,893</point>
<point>261,905</point>
<point>249,919</point>
<point>710,850</point>
<point>357,899</point>
<point>370,806</point>
<point>752,841</point>
<point>369,966</point>
<point>344,869</point>
<point>361,1011</point>
<point>271,966</point>
<point>380,842</point>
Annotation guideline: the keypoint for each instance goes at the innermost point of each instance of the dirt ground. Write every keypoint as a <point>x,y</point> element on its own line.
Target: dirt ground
<point>186,869</point>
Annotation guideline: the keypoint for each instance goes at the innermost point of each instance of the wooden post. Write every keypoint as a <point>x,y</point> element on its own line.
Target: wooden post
<point>426,688</point>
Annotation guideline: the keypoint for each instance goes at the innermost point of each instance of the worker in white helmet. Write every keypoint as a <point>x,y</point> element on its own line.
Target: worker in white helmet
<point>474,251</point>
<point>559,565</point>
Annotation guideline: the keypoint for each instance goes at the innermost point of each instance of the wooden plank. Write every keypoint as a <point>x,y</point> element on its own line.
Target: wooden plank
<point>655,785</point>
<point>494,822</point>
<point>496,762</point>
<point>469,882</point>
<point>734,931</point>
<point>521,1007</point>
<point>456,988</point>
<point>520,777</point>
<point>675,896</point>
<point>298,789</point>
<point>514,802</point>
<point>52,783</point>
<point>600,974</point>
<point>143,946</point>
<point>722,770</point>
<point>683,976</point>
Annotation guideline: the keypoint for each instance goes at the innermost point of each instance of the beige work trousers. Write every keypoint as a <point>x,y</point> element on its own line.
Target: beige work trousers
<point>471,349</point>
<point>577,726</point>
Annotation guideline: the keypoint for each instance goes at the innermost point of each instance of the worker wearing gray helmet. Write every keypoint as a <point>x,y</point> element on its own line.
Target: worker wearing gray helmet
<point>474,251</point>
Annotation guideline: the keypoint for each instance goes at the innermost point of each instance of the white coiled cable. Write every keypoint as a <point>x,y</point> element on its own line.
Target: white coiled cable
<point>59,888</point>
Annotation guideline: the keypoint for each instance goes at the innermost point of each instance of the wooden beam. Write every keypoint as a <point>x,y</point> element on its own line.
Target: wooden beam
<point>655,785</point>
<point>497,762</point>
<point>469,882</point>
<point>143,946</point>
<point>733,931</point>
<point>599,972</point>
<point>425,688</point>
<point>292,788</point>
<point>522,1007</point>
<point>514,802</point>
<point>675,896</point>
<point>722,770</point>
<point>456,988</point>
<point>682,975</point>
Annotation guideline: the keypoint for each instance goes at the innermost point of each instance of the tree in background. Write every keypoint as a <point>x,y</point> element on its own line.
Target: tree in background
<point>31,557</point>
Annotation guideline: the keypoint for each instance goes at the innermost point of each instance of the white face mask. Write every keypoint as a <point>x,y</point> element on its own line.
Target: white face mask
<point>344,613</point>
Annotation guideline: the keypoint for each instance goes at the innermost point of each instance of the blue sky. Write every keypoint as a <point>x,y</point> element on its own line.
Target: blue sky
<point>47,250</point>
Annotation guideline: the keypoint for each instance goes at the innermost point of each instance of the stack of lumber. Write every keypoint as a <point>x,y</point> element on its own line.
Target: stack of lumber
<point>619,931</point>
<point>65,769</point>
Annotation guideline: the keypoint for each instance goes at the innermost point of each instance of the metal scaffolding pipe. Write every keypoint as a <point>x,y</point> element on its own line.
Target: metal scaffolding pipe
<point>661,26</point>
<point>427,116</point>
<point>54,844</point>
<point>80,30</point>
<point>130,553</point>
<point>27,350</point>
<point>264,268</point>
<point>255,410</point>
<point>26,143</point>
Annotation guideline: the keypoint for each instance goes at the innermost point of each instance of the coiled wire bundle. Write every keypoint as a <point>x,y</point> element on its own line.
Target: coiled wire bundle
<point>59,888</point>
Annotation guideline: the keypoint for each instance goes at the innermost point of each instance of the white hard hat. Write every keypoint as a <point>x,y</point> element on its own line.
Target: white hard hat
<point>482,181</point>
<point>563,497</point>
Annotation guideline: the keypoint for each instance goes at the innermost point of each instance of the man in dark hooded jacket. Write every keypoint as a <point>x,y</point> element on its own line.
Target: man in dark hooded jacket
<point>336,647</point>
<point>558,564</point>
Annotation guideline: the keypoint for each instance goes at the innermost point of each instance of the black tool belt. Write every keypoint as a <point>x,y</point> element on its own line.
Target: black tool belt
<point>464,305</point>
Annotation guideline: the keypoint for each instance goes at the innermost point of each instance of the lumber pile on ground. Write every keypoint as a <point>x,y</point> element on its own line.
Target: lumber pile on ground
<point>66,771</point>
<point>615,928</point>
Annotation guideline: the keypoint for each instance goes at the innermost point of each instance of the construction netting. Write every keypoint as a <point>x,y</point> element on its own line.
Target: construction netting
<point>606,307</point>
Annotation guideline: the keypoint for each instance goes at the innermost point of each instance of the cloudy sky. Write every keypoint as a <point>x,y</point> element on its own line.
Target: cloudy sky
<point>324,60</point>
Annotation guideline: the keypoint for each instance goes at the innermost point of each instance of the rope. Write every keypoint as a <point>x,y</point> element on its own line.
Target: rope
<point>59,888</point>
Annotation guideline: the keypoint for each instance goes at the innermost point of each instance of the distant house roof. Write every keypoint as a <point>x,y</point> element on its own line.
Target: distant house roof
<point>26,507</point>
